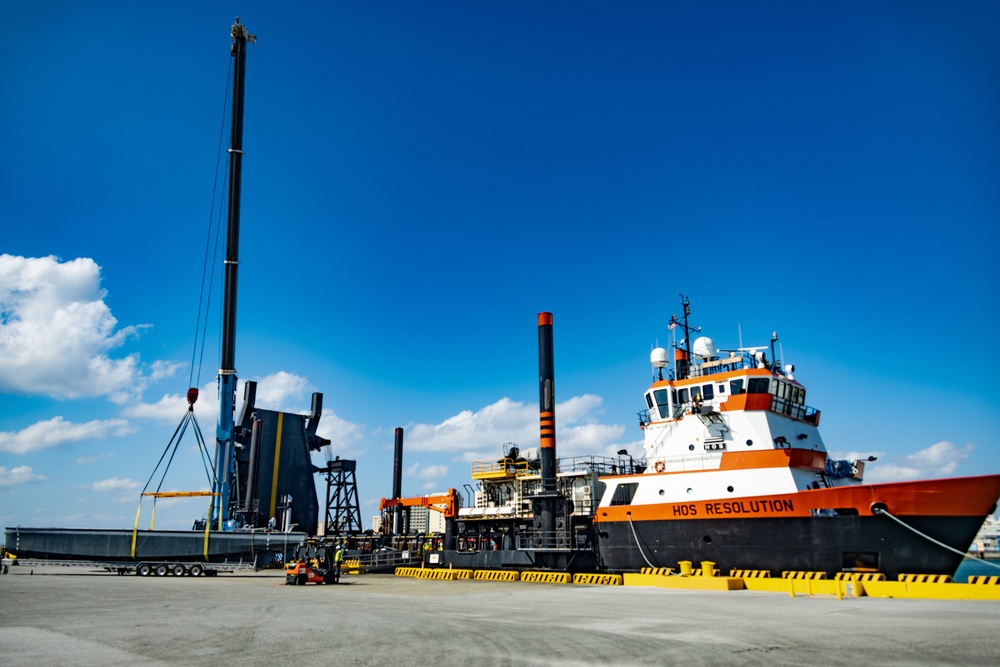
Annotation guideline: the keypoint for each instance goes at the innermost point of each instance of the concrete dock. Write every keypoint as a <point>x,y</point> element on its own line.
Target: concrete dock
<point>77,616</point>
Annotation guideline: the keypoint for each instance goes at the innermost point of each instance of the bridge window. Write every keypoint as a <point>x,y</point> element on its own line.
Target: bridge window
<point>624,494</point>
<point>649,401</point>
<point>736,386</point>
<point>758,385</point>
<point>662,404</point>
<point>682,395</point>
<point>707,392</point>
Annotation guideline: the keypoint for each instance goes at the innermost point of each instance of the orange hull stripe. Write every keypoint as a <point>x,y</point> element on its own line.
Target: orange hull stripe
<point>967,496</point>
<point>774,458</point>
<point>767,458</point>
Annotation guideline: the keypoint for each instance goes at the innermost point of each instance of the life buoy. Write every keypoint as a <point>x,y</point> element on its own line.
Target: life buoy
<point>659,466</point>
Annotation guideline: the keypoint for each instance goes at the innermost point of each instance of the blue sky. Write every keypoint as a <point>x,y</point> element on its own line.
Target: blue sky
<point>421,179</point>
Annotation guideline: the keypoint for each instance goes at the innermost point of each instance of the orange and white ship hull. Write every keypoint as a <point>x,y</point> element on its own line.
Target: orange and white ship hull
<point>828,529</point>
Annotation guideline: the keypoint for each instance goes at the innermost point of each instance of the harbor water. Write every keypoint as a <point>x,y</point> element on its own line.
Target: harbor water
<point>975,567</point>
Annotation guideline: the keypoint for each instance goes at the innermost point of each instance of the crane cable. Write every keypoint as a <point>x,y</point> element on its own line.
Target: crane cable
<point>208,266</point>
<point>200,332</point>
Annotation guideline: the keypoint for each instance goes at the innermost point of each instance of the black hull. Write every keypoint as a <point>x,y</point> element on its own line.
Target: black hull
<point>815,544</point>
<point>151,545</point>
<point>511,559</point>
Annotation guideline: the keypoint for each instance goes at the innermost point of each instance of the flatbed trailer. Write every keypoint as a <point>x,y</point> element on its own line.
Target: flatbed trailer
<point>145,568</point>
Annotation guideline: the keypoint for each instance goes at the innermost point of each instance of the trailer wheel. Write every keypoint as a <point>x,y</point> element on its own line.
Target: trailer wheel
<point>196,570</point>
<point>161,570</point>
<point>144,569</point>
<point>178,570</point>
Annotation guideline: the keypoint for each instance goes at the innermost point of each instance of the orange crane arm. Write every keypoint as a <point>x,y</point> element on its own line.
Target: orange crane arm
<point>446,503</point>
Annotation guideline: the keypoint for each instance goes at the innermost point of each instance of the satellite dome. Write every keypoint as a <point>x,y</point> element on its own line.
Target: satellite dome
<point>658,357</point>
<point>703,348</point>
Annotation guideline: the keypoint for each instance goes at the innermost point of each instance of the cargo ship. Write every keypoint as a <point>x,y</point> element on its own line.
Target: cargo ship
<point>733,471</point>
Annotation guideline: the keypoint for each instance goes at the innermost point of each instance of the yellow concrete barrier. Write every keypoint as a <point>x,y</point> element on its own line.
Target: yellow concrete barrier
<point>696,583</point>
<point>859,576</point>
<point>984,580</point>
<point>750,574</point>
<point>803,585</point>
<point>598,579</point>
<point>436,573</point>
<point>546,577</point>
<point>925,578</point>
<point>407,571</point>
<point>931,590</point>
<point>463,574</point>
<point>496,575</point>
<point>662,571</point>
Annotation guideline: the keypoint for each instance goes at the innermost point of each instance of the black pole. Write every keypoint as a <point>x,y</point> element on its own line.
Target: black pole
<point>546,401</point>
<point>397,480</point>
<point>240,38</point>
<point>547,423</point>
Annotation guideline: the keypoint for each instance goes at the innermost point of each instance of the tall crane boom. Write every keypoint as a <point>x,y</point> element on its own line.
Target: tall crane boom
<point>224,454</point>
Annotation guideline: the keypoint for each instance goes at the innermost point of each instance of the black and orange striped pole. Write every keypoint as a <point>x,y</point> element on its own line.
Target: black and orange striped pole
<point>547,401</point>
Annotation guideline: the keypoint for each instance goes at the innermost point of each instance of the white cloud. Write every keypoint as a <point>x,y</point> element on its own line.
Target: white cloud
<point>114,484</point>
<point>171,408</point>
<point>483,433</point>
<point>345,437</point>
<point>278,391</point>
<point>420,471</point>
<point>19,475</point>
<point>124,489</point>
<point>57,432</point>
<point>282,391</point>
<point>56,332</point>
<point>83,460</point>
<point>939,460</point>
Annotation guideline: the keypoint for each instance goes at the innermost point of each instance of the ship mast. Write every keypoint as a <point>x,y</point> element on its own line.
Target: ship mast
<point>224,454</point>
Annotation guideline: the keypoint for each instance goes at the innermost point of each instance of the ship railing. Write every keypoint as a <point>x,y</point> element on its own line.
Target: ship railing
<point>551,540</point>
<point>387,560</point>
<point>499,469</point>
<point>602,465</point>
<point>795,410</point>
<point>720,366</point>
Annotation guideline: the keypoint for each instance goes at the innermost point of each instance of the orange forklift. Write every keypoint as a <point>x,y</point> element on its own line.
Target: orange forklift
<point>314,564</point>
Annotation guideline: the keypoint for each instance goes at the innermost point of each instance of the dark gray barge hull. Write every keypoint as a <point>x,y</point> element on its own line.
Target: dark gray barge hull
<point>260,547</point>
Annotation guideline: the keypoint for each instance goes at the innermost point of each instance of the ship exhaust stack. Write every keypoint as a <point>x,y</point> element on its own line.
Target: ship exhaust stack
<point>546,401</point>
<point>547,427</point>
<point>397,482</point>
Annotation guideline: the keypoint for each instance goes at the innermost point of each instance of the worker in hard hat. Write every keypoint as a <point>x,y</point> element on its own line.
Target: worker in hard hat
<point>338,560</point>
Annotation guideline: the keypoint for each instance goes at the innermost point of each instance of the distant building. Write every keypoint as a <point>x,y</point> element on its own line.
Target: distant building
<point>422,520</point>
